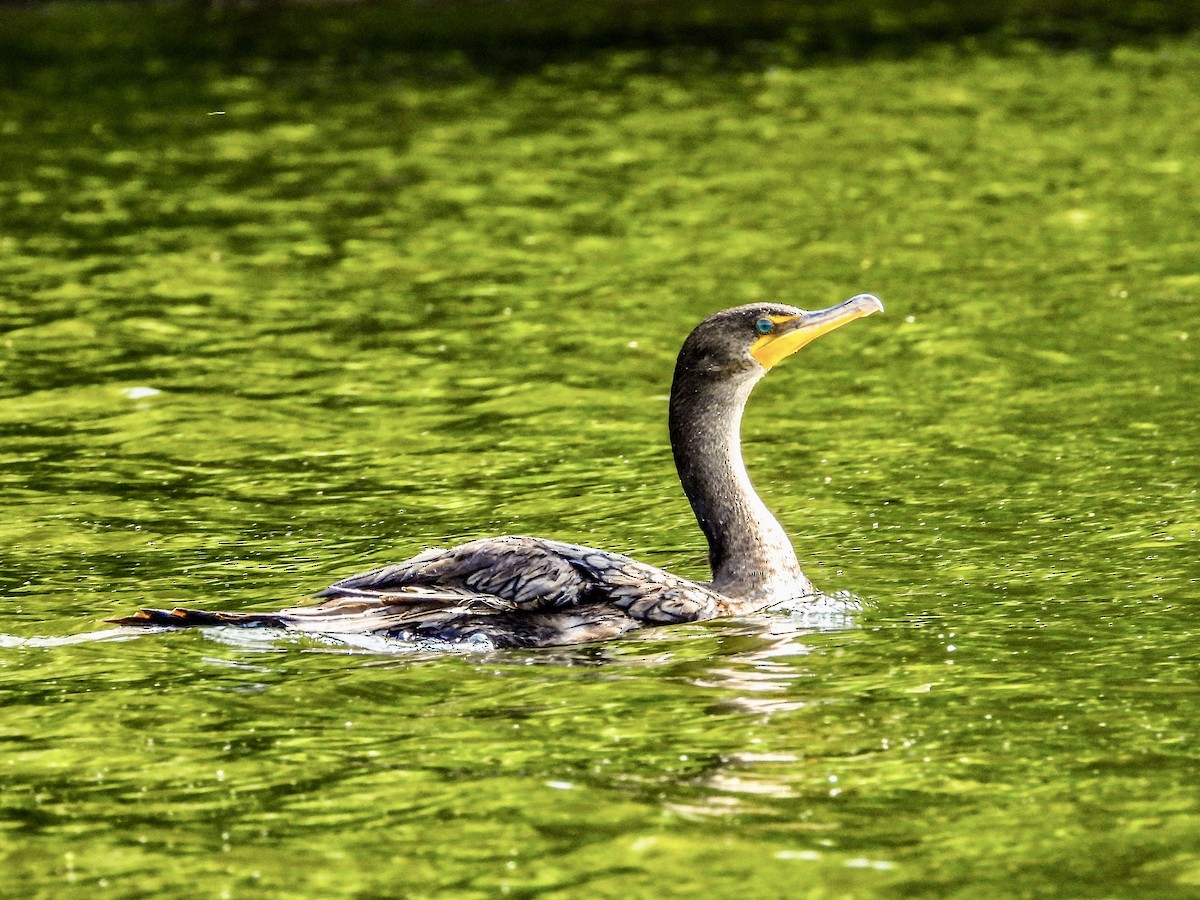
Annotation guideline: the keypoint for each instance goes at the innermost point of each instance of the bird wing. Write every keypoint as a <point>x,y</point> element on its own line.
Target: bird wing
<point>641,591</point>
<point>504,572</point>
<point>525,574</point>
<point>500,580</point>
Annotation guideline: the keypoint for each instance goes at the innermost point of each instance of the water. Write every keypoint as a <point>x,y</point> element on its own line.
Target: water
<point>263,325</point>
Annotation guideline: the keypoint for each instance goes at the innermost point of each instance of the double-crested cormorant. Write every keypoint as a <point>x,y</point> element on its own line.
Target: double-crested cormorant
<point>533,592</point>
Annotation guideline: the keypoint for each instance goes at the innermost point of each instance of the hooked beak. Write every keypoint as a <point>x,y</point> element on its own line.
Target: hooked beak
<point>793,332</point>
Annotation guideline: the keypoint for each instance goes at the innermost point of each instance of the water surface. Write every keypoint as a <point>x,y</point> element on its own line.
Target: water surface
<point>263,325</point>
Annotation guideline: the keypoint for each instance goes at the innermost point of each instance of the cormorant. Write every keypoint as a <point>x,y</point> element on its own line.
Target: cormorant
<point>535,592</point>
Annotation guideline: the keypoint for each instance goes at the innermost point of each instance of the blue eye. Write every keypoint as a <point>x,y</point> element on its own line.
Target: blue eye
<point>764,326</point>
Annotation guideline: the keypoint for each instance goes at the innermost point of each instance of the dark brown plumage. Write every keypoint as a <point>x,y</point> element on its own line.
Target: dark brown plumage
<point>532,592</point>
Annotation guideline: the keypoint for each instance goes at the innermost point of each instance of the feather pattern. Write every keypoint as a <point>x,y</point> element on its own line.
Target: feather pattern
<point>513,591</point>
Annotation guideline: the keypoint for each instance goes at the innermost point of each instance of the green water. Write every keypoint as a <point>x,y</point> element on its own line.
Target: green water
<point>263,325</point>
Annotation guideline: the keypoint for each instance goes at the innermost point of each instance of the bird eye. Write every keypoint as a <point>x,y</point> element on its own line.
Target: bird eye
<point>764,326</point>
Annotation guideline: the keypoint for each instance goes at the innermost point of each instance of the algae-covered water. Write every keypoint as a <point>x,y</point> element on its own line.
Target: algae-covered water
<point>264,324</point>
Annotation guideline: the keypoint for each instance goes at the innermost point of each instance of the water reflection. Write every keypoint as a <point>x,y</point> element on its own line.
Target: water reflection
<point>108,634</point>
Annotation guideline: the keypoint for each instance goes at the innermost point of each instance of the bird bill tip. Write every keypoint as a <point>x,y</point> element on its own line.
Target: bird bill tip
<point>869,303</point>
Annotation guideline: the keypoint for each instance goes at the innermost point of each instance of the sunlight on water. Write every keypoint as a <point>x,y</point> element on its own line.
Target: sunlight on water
<point>385,304</point>
<point>109,634</point>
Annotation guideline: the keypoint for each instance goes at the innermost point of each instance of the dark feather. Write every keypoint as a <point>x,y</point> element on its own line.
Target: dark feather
<point>511,591</point>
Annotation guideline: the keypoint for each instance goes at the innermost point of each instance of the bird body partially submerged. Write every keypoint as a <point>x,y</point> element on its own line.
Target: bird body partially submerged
<point>532,592</point>
<point>513,591</point>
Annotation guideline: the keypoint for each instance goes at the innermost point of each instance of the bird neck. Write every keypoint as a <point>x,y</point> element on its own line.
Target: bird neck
<point>750,553</point>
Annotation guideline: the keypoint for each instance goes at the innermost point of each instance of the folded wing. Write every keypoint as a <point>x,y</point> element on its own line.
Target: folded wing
<point>517,582</point>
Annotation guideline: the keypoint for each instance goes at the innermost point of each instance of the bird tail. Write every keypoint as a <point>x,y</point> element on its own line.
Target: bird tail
<point>193,618</point>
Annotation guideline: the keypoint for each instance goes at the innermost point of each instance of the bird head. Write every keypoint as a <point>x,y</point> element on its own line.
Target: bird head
<point>751,339</point>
